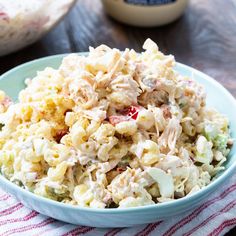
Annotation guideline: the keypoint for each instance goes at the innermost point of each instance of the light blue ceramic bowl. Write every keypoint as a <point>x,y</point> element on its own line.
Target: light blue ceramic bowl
<point>13,81</point>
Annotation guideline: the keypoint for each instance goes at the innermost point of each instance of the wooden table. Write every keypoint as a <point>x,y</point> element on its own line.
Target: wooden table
<point>204,37</point>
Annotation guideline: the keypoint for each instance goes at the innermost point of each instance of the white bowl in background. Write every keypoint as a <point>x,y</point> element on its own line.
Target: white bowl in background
<point>22,22</point>
<point>145,13</point>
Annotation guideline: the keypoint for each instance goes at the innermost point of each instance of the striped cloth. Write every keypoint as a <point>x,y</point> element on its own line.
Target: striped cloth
<point>214,217</point>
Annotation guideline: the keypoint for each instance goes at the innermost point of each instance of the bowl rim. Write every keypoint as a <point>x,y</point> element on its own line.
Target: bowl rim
<point>225,174</point>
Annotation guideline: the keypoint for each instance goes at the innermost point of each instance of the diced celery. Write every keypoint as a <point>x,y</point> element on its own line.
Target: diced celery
<point>220,142</point>
<point>210,131</point>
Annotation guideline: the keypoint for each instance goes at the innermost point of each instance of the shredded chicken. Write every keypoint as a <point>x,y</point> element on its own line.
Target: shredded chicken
<point>112,129</point>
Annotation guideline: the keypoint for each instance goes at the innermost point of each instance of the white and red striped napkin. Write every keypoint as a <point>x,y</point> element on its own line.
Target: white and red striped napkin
<point>215,217</point>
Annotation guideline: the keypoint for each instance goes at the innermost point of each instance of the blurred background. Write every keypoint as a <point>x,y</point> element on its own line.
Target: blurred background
<point>203,37</point>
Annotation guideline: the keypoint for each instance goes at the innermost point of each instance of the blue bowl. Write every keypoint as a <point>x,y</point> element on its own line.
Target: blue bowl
<point>217,96</point>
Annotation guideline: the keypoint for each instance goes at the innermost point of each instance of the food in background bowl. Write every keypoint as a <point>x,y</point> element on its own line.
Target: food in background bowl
<point>112,129</point>
<point>22,22</point>
<point>144,12</point>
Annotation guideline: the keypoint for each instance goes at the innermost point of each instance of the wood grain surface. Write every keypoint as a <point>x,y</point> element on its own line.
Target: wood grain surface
<point>204,37</point>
